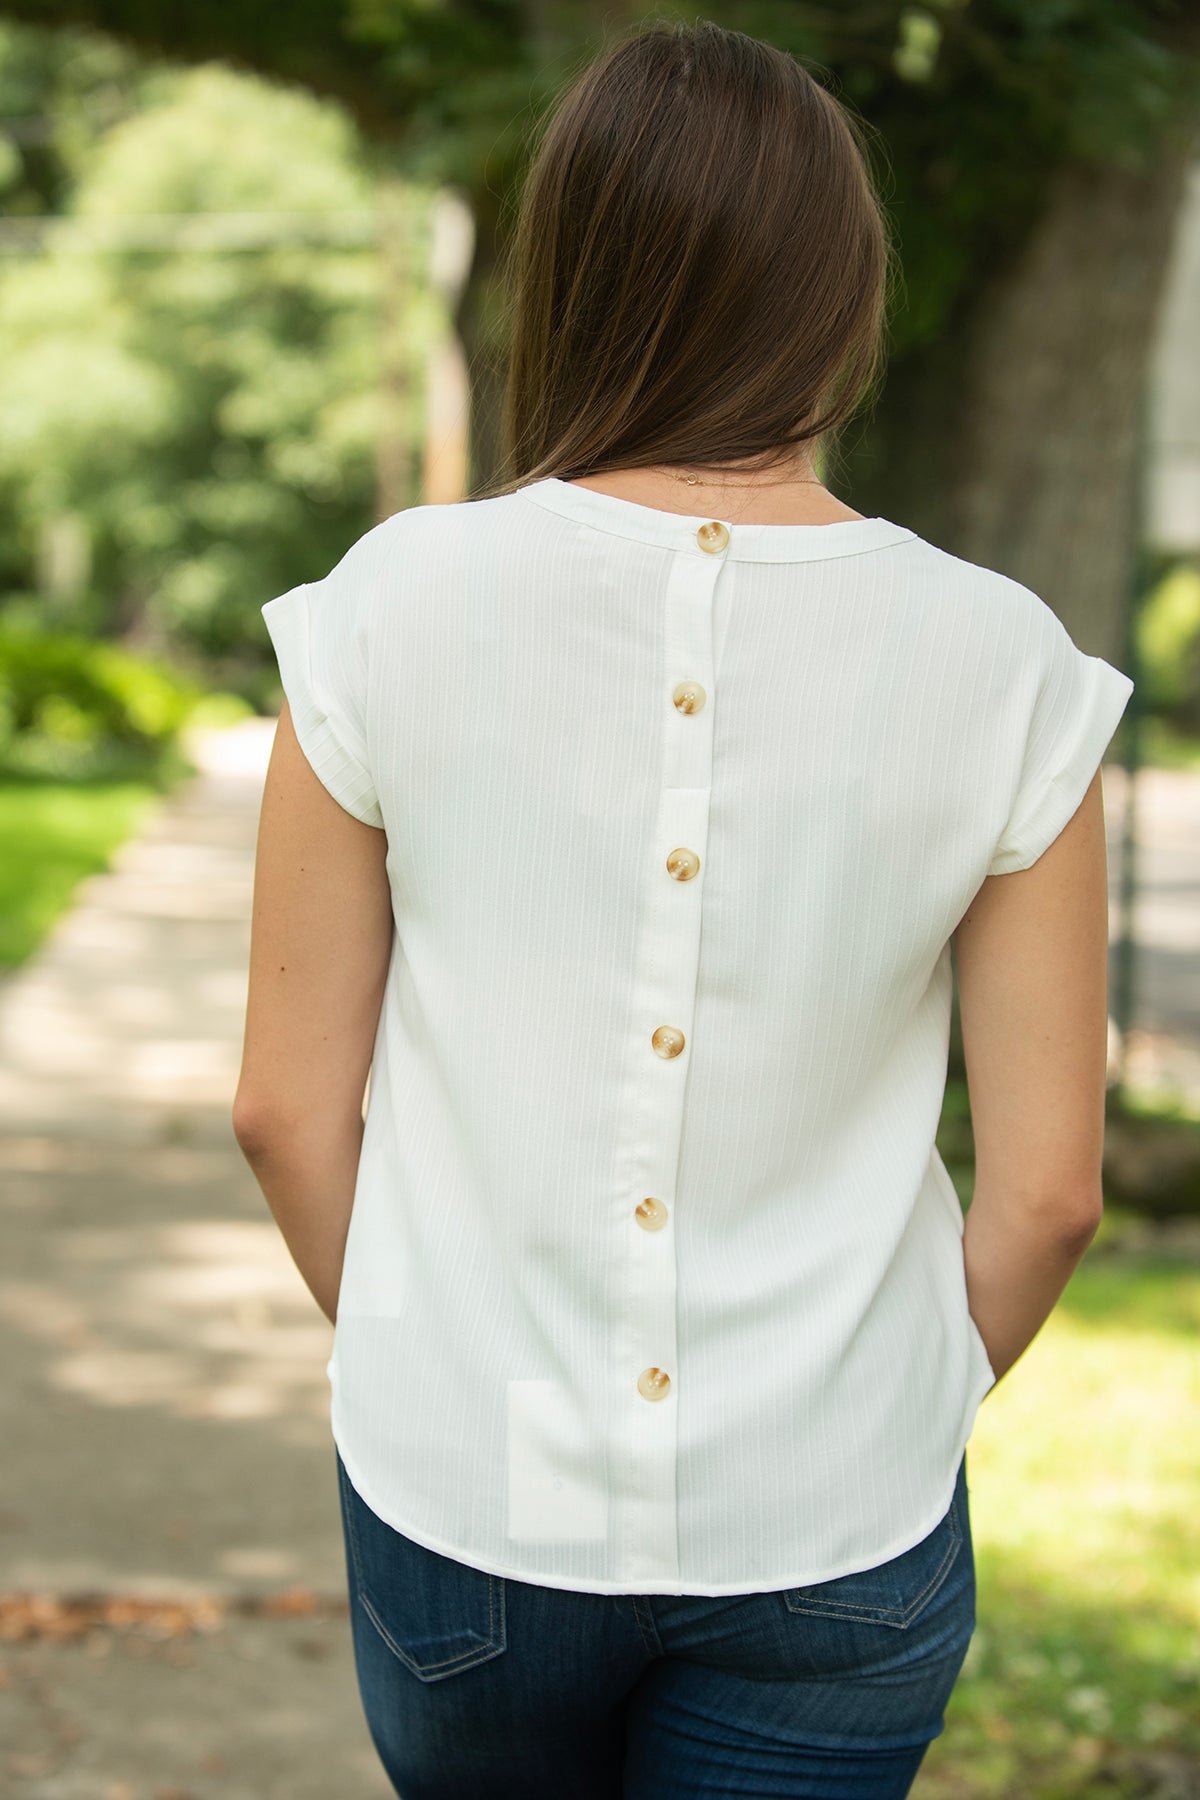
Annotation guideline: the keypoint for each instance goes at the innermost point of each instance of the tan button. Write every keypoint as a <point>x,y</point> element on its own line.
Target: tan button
<point>683,864</point>
<point>654,1384</point>
<point>714,536</point>
<point>668,1041</point>
<point>689,696</point>
<point>651,1215</point>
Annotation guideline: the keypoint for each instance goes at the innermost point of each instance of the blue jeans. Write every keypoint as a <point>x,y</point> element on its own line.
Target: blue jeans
<point>483,1687</point>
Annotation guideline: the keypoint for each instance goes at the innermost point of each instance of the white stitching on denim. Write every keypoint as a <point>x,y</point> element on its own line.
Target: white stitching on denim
<point>847,1609</point>
<point>466,1660</point>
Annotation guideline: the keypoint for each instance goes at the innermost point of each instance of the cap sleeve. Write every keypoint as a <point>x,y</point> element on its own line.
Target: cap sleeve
<point>1078,706</point>
<point>318,631</point>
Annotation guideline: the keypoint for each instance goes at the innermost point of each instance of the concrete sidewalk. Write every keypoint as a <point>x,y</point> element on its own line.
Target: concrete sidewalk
<point>1163,1044</point>
<point>165,1411</point>
<point>166,1396</point>
<point>126,1027</point>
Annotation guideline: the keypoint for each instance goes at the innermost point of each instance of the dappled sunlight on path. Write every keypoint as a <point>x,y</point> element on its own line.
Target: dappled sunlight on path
<point>166,1362</point>
<point>128,1021</point>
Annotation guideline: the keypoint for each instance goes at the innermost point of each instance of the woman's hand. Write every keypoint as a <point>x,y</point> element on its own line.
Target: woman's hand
<point>1017,1264</point>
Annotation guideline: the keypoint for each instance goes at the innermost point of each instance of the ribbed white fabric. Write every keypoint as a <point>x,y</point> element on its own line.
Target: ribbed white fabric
<point>883,725</point>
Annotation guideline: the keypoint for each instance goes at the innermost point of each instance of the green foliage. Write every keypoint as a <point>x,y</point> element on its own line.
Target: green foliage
<point>53,833</point>
<point>209,416</point>
<point>1168,641</point>
<point>68,700</point>
<point>1163,746</point>
<point>215,711</point>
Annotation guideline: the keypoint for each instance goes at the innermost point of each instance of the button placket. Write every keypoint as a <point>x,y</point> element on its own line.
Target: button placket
<point>644,1367</point>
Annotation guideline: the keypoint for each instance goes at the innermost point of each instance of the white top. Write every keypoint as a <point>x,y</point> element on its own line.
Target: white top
<point>654,1276</point>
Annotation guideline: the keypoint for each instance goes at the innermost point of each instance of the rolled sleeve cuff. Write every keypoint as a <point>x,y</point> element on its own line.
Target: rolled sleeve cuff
<point>1040,815</point>
<point>330,744</point>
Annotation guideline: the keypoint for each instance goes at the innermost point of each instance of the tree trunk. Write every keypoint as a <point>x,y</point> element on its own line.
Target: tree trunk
<point>1052,441</point>
<point>393,446</point>
<point>1018,444</point>
<point>444,472</point>
<point>479,321</point>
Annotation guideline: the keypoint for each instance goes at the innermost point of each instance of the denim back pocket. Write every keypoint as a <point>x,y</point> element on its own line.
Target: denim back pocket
<point>437,1615</point>
<point>895,1592</point>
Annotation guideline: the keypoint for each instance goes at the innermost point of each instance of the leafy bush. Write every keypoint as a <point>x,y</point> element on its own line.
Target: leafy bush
<point>197,428</point>
<point>87,697</point>
<point>1169,644</point>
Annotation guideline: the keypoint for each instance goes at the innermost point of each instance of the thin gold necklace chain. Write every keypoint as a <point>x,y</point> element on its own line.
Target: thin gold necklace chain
<point>698,481</point>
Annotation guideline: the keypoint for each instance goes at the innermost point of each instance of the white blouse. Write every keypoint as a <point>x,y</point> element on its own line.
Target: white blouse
<point>654,1277</point>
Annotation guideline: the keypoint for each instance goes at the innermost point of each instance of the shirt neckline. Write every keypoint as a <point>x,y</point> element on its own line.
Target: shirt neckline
<point>677,531</point>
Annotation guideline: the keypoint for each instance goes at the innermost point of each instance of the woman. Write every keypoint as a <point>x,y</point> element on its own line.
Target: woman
<point>621,822</point>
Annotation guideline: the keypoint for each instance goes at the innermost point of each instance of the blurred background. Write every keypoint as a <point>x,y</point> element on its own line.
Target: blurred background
<point>249,306</point>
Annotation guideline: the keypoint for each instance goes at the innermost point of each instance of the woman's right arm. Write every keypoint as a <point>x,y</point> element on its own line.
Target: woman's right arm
<point>1031,959</point>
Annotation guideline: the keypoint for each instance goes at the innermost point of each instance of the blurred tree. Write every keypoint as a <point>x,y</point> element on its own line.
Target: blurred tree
<point>1036,152</point>
<point>211,415</point>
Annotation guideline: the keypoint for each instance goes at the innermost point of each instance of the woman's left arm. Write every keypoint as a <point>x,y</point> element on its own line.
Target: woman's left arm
<point>320,943</point>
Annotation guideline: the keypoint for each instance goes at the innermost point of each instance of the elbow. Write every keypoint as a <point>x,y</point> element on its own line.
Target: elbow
<point>267,1130</point>
<point>1086,1221</point>
<point>255,1128</point>
<point>1077,1218</point>
<point>1056,1213</point>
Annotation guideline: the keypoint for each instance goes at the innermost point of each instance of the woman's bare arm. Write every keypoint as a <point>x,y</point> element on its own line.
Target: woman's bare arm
<point>321,938</point>
<point>1031,955</point>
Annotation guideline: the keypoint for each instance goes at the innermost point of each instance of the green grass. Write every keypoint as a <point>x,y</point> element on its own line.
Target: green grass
<point>1084,1473</point>
<point>63,817</point>
<point>52,834</point>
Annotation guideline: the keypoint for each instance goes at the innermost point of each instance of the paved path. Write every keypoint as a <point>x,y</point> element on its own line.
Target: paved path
<point>127,1026</point>
<point>1163,1044</point>
<point>165,1407</point>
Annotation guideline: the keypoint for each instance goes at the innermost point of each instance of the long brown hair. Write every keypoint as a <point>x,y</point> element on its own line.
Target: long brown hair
<point>700,267</point>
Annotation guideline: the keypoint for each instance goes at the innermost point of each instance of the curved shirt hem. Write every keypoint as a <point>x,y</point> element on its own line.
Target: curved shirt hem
<point>672,1588</point>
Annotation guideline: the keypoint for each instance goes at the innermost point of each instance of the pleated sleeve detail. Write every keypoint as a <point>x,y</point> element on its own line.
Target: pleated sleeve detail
<point>1078,706</point>
<point>322,665</point>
